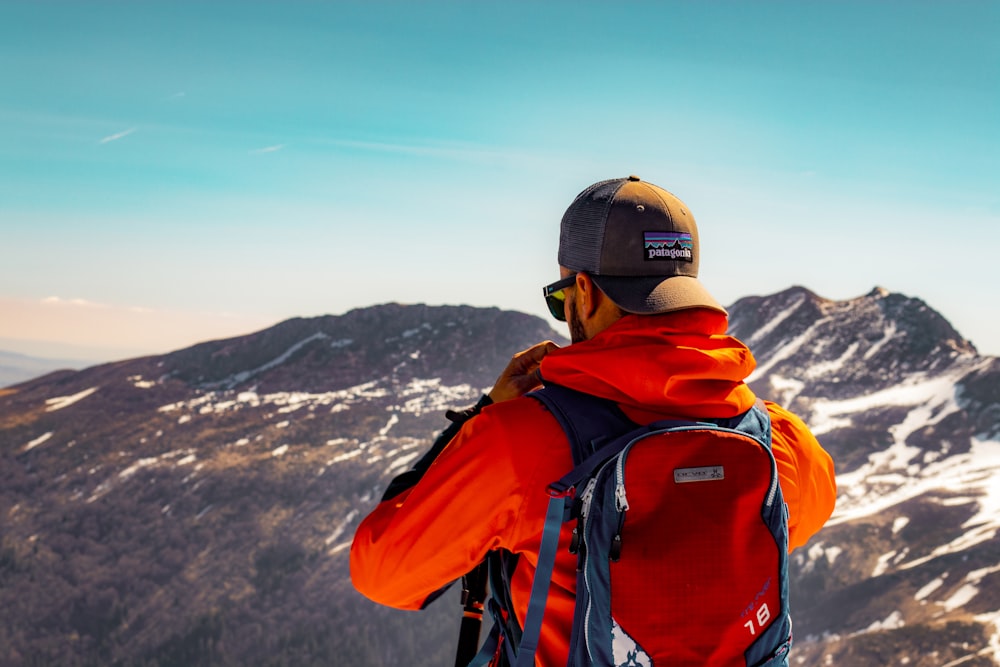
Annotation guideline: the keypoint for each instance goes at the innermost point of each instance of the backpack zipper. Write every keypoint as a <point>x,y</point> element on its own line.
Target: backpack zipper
<point>586,500</point>
<point>774,483</point>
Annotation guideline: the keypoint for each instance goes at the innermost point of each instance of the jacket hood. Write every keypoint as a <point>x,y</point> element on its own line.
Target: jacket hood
<point>679,364</point>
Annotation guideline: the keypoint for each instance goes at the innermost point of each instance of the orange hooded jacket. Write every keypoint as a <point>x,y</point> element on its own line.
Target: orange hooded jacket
<point>487,489</point>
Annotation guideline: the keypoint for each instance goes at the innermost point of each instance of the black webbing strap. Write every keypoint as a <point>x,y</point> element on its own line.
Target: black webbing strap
<point>473,599</point>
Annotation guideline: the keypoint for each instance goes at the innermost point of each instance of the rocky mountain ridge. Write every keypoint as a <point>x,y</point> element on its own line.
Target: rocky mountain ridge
<point>906,570</point>
<point>195,508</point>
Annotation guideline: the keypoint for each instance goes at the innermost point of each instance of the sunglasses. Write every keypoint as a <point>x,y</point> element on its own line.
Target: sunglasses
<point>555,296</point>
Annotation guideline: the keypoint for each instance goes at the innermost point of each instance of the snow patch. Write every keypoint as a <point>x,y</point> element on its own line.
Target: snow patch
<point>420,396</point>
<point>37,441</point>
<point>882,566</point>
<point>832,553</point>
<point>428,395</point>
<point>139,383</point>
<point>891,622</point>
<point>776,320</point>
<point>891,476</point>
<point>960,597</point>
<point>889,334</point>
<point>243,376</point>
<point>977,473</point>
<point>401,462</point>
<point>830,367</point>
<point>926,590</point>
<point>786,389</point>
<point>339,530</point>
<point>279,451</point>
<point>345,456</point>
<point>787,350</point>
<point>60,402</point>
<point>393,420</point>
<point>816,552</point>
<point>138,465</point>
<point>931,399</point>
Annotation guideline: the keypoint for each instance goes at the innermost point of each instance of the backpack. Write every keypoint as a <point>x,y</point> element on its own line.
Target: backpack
<point>681,537</point>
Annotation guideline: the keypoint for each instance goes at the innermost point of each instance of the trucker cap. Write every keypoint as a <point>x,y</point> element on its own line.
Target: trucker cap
<point>639,243</point>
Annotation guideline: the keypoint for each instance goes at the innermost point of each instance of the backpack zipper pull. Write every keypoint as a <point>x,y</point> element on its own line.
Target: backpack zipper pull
<point>621,502</point>
<point>615,552</point>
<point>587,497</point>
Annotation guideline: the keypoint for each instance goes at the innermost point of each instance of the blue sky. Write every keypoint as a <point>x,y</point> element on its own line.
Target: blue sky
<point>173,172</point>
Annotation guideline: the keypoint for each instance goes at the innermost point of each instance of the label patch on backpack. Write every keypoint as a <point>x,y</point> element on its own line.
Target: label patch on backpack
<point>702,474</point>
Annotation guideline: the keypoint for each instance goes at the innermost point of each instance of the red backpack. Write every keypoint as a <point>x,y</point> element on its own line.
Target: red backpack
<point>681,537</point>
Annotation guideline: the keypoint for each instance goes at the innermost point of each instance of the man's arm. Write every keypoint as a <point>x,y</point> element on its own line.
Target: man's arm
<point>518,378</point>
<point>409,478</point>
<point>806,473</point>
<point>437,521</point>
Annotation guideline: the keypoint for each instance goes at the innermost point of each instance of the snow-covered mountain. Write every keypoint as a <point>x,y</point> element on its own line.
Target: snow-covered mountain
<point>907,572</point>
<point>195,508</point>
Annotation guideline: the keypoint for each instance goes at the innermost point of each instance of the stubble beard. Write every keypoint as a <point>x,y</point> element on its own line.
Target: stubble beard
<point>576,332</point>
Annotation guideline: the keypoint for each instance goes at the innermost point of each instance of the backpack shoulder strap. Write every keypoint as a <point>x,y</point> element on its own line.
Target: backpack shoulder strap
<point>588,421</point>
<point>755,422</point>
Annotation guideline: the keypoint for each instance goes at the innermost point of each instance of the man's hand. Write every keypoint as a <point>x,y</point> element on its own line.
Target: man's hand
<point>521,374</point>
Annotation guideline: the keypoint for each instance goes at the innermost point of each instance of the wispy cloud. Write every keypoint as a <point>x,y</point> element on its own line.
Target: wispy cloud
<point>458,151</point>
<point>267,149</point>
<point>83,303</point>
<point>117,136</point>
<point>177,95</point>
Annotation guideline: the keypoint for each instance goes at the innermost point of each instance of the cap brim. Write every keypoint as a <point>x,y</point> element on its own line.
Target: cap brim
<point>656,294</point>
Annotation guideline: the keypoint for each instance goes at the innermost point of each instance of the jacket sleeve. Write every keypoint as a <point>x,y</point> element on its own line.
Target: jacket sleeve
<point>424,536</point>
<point>806,474</point>
<point>409,478</point>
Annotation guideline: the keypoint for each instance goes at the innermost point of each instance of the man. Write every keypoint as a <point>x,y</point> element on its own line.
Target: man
<point>647,335</point>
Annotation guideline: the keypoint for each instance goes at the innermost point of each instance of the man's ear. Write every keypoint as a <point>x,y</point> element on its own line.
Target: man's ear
<point>588,295</point>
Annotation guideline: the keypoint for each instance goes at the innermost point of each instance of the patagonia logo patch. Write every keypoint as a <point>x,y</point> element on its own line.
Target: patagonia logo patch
<point>670,246</point>
<point>703,474</point>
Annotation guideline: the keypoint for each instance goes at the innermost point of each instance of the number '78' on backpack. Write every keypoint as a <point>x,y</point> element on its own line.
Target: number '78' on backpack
<point>681,537</point>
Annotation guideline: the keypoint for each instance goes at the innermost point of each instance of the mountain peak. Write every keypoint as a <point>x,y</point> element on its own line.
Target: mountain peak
<point>877,339</point>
